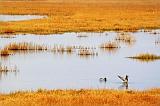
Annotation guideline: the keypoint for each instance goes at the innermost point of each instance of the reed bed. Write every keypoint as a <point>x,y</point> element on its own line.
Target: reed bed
<point>110,45</point>
<point>78,16</point>
<point>146,57</point>
<point>62,49</point>
<point>82,97</point>
<point>70,49</point>
<point>24,46</point>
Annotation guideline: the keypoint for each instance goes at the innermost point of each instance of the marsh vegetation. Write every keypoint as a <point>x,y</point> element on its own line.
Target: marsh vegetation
<point>82,97</point>
<point>146,57</point>
<point>81,16</point>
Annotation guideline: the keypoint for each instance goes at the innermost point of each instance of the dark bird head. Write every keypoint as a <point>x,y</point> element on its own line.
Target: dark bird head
<point>103,79</point>
<point>126,77</point>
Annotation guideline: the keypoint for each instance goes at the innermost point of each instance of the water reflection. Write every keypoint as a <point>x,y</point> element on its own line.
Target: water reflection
<point>144,60</point>
<point>123,86</point>
<point>110,50</point>
<point>126,38</point>
<point>5,70</point>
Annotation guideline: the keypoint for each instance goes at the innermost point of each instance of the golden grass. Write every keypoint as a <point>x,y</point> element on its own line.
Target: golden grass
<point>110,45</point>
<point>82,16</point>
<point>82,98</point>
<point>5,52</point>
<point>146,57</point>
<point>86,53</point>
<point>24,46</point>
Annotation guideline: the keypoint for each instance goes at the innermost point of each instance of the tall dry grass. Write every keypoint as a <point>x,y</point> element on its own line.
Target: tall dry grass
<point>82,98</point>
<point>25,46</point>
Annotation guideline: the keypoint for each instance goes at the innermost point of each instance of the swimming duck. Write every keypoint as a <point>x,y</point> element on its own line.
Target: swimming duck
<point>103,79</point>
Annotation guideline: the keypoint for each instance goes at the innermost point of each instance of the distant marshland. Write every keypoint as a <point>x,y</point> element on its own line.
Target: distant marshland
<point>81,16</point>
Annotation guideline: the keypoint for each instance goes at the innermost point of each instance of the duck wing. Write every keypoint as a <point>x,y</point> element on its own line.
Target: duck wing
<point>121,78</point>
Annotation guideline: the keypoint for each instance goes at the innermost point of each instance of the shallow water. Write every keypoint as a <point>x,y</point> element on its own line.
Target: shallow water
<point>50,70</point>
<point>6,18</point>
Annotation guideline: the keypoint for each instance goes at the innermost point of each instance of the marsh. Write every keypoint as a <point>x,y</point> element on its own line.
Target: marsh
<point>53,70</point>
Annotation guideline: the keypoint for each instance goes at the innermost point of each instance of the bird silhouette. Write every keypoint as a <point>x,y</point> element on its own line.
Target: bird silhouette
<point>103,79</point>
<point>125,80</point>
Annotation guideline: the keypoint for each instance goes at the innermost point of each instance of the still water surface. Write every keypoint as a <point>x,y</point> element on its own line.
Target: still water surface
<point>49,70</point>
<point>6,18</point>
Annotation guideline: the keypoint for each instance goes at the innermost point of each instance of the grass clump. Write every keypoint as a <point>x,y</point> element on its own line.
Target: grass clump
<point>109,45</point>
<point>24,46</point>
<point>5,52</point>
<point>146,57</point>
<point>86,52</point>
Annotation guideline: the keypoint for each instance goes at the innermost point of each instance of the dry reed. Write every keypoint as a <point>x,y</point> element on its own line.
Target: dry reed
<point>146,57</point>
<point>25,47</point>
<point>109,45</point>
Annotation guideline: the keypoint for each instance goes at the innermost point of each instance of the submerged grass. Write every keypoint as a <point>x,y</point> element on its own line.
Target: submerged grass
<point>62,49</point>
<point>110,45</point>
<point>82,98</point>
<point>81,16</point>
<point>125,37</point>
<point>86,52</point>
<point>5,69</point>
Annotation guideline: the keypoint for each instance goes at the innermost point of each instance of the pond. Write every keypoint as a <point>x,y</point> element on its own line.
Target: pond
<point>53,70</point>
<point>6,18</point>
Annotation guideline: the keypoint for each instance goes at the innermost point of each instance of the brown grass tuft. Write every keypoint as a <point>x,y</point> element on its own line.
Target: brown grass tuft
<point>109,45</point>
<point>86,52</point>
<point>5,52</point>
<point>146,57</point>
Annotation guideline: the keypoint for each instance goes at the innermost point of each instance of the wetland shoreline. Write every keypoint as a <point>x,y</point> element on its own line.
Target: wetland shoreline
<point>82,97</point>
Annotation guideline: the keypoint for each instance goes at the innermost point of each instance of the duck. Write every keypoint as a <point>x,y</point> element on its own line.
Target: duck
<point>103,79</point>
<point>125,80</point>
